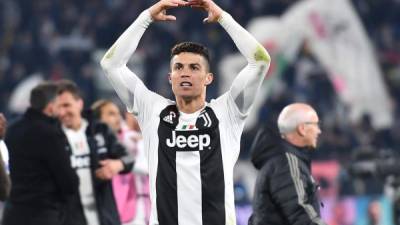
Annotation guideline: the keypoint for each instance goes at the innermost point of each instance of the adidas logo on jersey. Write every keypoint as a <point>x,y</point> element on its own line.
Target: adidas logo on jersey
<point>169,118</point>
<point>192,141</point>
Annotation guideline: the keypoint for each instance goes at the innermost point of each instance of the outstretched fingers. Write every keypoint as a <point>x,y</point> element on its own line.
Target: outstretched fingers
<point>175,3</point>
<point>169,18</point>
<point>180,2</point>
<point>158,11</point>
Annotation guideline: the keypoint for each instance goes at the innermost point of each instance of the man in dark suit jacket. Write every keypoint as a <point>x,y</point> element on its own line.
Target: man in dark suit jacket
<point>40,169</point>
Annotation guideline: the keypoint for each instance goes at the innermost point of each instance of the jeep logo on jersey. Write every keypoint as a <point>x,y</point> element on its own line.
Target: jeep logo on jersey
<point>78,162</point>
<point>193,142</point>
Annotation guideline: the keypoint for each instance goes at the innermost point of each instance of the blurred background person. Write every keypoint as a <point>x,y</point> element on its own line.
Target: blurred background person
<point>133,137</point>
<point>41,174</point>
<point>96,156</point>
<point>285,192</point>
<point>374,213</point>
<point>130,190</point>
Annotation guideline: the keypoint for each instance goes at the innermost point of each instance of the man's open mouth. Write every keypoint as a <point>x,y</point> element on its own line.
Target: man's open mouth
<point>185,84</point>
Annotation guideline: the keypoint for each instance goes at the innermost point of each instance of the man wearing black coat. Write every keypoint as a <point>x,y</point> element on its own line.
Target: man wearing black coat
<point>40,169</point>
<point>285,192</point>
<point>96,156</point>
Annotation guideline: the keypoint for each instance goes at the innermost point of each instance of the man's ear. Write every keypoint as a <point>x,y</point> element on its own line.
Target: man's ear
<point>209,78</point>
<point>169,78</point>
<point>301,130</point>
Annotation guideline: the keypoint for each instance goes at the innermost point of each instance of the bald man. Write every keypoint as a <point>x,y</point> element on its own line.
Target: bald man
<point>285,192</point>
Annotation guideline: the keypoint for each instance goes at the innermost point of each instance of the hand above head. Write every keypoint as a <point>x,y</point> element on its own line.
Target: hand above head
<point>214,11</point>
<point>158,11</point>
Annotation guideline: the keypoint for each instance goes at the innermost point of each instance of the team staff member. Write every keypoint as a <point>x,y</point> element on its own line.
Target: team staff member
<point>285,192</point>
<point>40,169</point>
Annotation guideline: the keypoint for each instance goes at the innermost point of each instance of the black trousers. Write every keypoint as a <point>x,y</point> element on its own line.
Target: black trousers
<point>15,214</point>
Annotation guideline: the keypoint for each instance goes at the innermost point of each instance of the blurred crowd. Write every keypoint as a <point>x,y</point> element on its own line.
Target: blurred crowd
<point>59,39</point>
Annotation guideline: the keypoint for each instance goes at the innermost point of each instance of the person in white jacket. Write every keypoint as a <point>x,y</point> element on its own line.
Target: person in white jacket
<point>192,145</point>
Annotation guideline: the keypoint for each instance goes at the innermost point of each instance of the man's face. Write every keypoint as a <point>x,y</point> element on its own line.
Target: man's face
<point>312,131</point>
<point>189,75</point>
<point>69,110</point>
<point>3,125</point>
<point>111,115</point>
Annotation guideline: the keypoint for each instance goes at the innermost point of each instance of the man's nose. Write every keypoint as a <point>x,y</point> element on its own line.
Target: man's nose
<point>185,75</point>
<point>185,72</point>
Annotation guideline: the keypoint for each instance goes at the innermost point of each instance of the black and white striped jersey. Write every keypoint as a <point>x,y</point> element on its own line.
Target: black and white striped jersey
<point>191,159</point>
<point>190,156</point>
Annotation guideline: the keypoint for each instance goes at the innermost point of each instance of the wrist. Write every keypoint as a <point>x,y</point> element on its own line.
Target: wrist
<point>150,12</point>
<point>147,14</point>
<point>223,16</point>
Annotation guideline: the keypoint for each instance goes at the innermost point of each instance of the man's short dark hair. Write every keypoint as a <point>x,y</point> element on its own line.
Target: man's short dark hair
<point>42,95</point>
<point>191,47</point>
<point>68,86</point>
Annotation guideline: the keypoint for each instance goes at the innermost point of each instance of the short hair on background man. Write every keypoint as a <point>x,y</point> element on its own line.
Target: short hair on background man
<point>68,86</point>
<point>42,95</point>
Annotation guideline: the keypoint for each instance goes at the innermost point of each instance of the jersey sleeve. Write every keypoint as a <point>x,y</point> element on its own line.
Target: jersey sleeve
<point>228,111</point>
<point>247,83</point>
<point>132,91</point>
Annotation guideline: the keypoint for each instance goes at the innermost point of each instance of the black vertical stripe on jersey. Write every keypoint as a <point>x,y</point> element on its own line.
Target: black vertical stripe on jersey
<point>167,205</point>
<point>166,181</point>
<point>211,169</point>
<point>213,184</point>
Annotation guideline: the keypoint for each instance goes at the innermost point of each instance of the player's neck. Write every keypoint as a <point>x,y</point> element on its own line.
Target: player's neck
<point>77,124</point>
<point>190,106</point>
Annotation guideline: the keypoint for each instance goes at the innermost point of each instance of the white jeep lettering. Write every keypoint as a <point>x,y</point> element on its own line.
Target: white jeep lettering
<point>192,141</point>
<point>180,141</point>
<point>80,162</point>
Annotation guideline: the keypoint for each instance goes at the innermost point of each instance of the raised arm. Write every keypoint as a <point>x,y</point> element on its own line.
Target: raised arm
<point>247,83</point>
<point>114,61</point>
<point>245,86</point>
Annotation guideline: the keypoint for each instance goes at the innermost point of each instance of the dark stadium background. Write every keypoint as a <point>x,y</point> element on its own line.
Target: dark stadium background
<point>66,38</point>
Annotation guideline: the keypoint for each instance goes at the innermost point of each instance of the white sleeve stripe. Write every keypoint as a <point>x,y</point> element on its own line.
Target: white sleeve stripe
<point>295,174</point>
